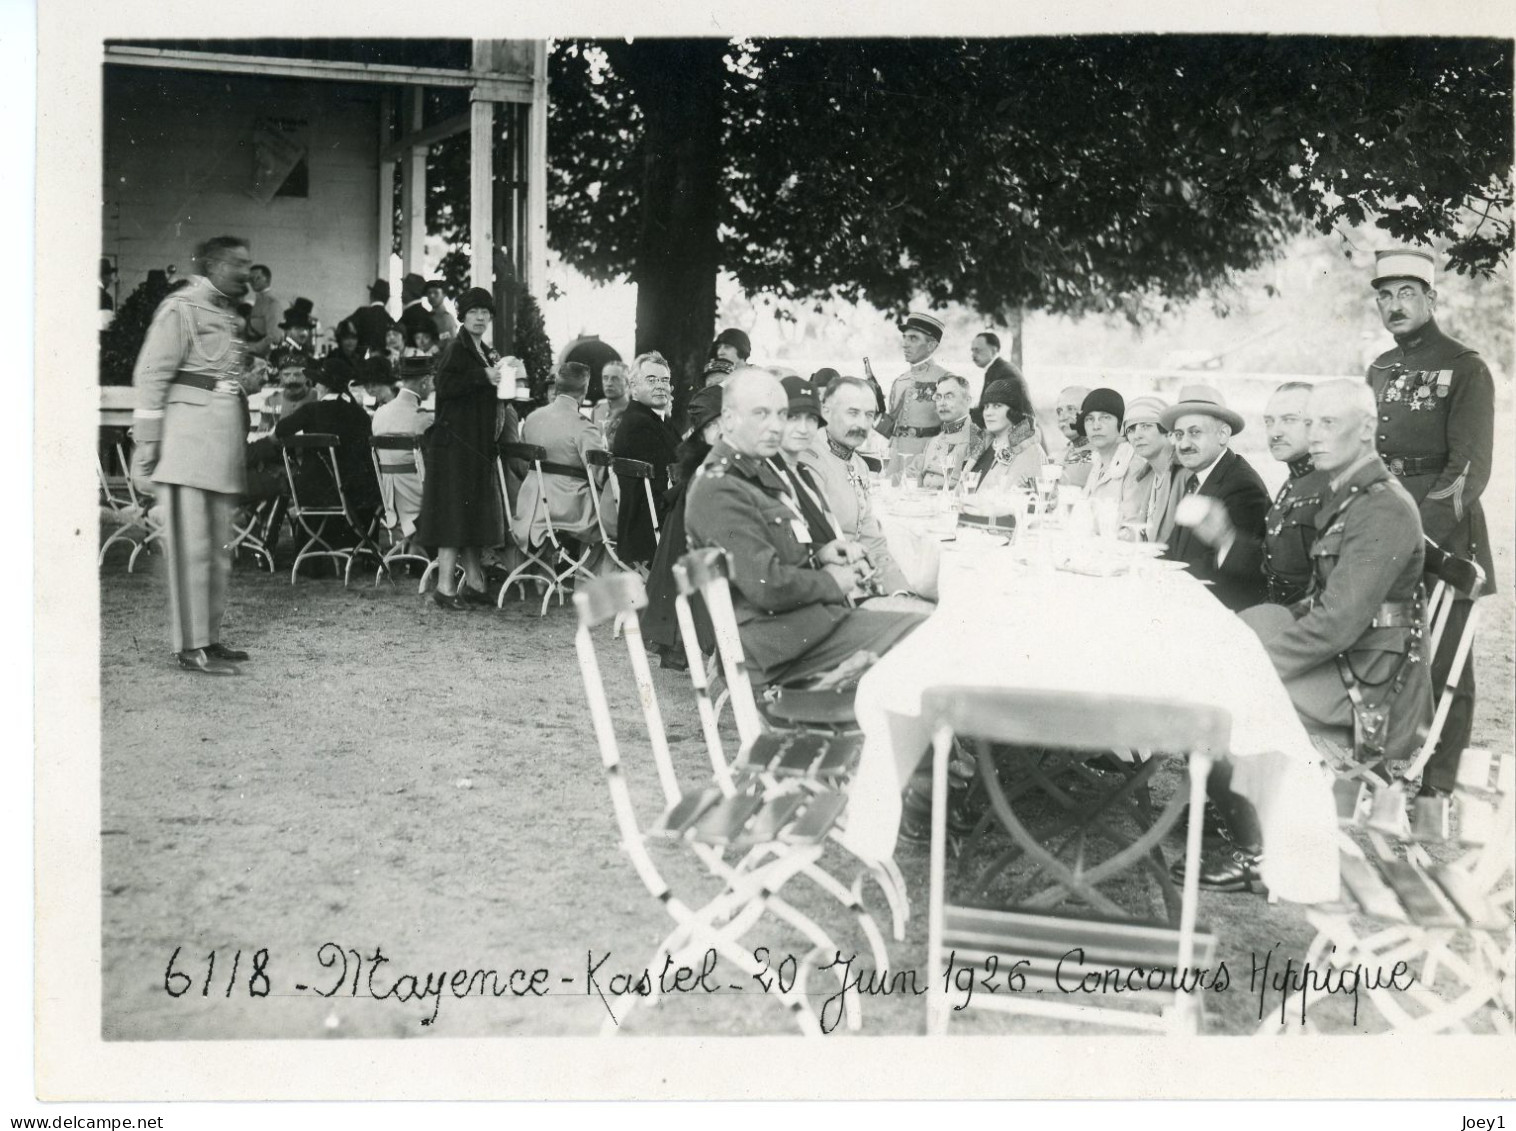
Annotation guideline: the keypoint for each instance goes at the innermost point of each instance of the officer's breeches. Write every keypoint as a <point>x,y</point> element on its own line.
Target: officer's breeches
<point>197,525</point>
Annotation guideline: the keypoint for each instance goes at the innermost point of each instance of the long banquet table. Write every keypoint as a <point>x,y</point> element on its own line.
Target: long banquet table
<point>1151,632</point>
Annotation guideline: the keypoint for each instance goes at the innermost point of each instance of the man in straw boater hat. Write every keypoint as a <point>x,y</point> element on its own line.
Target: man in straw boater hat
<point>910,418</point>
<point>1436,434</point>
<point>190,429</point>
<point>1349,654</point>
<point>1219,531</point>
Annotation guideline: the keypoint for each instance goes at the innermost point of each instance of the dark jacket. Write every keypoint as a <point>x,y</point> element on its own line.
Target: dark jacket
<point>1002,370</point>
<point>783,607</point>
<point>460,499</point>
<point>337,416</point>
<point>642,435</point>
<point>371,322</point>
<point>1237,582</point>
<point>338,371</point>
<point>1437,435</point>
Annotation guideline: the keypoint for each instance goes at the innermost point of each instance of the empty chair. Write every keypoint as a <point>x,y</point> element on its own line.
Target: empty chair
<point>118,494</point>
<point>1033,942</point>
<point>772,829</point>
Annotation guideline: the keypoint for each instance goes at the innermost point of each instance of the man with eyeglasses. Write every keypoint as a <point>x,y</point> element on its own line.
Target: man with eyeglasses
<point>851,409</point>
<point>1436,434</point>
<point>645,433</point>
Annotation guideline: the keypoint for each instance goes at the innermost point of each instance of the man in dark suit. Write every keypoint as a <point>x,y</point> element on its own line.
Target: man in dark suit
<point>986,354</point>
<point>645,433</point>
<point>1220,532</point>
<point>372,320</point>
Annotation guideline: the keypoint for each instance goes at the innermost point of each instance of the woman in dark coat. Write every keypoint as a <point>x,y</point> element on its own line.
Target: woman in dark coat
<point>461,511</point>
<point>660,625</point>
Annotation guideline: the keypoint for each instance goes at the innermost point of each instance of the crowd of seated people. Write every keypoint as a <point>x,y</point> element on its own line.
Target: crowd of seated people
<point>782,475</point>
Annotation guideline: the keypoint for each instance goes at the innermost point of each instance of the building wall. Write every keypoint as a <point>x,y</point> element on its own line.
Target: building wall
<point>178,168</point>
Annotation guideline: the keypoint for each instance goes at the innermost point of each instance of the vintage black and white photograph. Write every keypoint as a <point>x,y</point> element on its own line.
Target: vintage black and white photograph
<point>713,535</point>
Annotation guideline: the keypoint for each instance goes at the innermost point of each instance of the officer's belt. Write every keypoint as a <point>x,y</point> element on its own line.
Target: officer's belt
<point>908,430</point>
<point>406,468</point>
<point>1415,465</point>
<point>567,469</point>
<point>208,383</point>
<point>1392,614</point>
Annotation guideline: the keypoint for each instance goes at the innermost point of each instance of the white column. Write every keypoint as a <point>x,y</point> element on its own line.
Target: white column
<point>413,187</point>
<point>386,190</point>
<point>536,177</point>
<point>481,194</point>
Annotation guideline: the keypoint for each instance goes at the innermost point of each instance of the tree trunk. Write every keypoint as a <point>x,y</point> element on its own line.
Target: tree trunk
<point>679,85</point>
<point>1017,317</point>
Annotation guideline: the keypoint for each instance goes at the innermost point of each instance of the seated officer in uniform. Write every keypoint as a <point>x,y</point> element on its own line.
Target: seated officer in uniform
<point>788,592</point>
<point>1289,529</point>
<point>1350,653</point>
<point>958,441</point>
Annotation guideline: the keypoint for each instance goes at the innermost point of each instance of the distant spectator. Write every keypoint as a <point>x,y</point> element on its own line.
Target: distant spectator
<point>717,370</point>
<point>645,433</point>
<point>345,363</point>
<point>373,319</point>
<point>413,305</point>
<point>732,345</point>
<point>263,331</point>
<point>424,337</point>
<point>567,481</point>
<point>394,344</point>
<point>607,414</point>
<point>985,351</point>
<point>334,413</point>
<point>378,381</point>
<point>436,297</point>
<point>298,327</point>
<point>403,416</point>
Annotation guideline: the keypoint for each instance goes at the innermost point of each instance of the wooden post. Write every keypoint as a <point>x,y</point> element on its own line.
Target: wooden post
<point>386,189</point>
<point>413,186</point>
<point>481,223</point>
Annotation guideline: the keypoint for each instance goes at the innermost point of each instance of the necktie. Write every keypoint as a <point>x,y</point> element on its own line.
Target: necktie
<point>1192,484</point>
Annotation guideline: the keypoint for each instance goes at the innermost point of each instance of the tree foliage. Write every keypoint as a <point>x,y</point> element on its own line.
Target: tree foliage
<point>1065,174</point>
<point>121,341</point>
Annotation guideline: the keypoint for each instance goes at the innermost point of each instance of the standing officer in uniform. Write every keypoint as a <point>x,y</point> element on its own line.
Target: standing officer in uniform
<point>1289,529</point>
<point>1436,435</point>
<point>190,428</point>
<point>910,418</point>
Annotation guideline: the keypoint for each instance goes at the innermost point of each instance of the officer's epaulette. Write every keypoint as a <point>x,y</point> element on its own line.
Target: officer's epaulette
<point>713,470</point>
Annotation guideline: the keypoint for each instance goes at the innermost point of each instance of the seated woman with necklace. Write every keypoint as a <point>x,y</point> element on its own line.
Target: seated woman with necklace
<point>1013,457</point>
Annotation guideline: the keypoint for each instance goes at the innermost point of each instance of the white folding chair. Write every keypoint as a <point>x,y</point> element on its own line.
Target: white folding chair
<point>559,566</point>
<point>135,527</point>
<point>1037,943</point>
<point>413,464</point>
<point>316,519</point>
<point>643,471</point>
<point>805,743</point>
<point>778,827</point>
<point>1451,923</point>
<point>604,462</point>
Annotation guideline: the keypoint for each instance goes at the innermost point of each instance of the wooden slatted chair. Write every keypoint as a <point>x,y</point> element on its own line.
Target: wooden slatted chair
<point>1452,923</point>
<point>781,744</point>
<point>118,494</point>
<point>320,521</point>
<point>641,471</point>
<point>779,828</point>
<point>413,464</point>
<point>1038,938</point>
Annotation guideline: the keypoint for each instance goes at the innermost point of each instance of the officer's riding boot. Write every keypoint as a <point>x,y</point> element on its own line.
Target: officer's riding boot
<point>916,800</point>
<point>1238,868</point>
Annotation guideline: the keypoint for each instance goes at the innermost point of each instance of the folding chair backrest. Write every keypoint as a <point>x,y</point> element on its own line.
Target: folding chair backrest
<point>707,571</point>
<point>621,595</point>
<point>534,454</point>
<point>321,446</point>
<point>1080,720</point>
<point>639,469</point>
<point>416,465</point>
<point>599,602</point>
<point>685,588</point>
<point>602,460</point>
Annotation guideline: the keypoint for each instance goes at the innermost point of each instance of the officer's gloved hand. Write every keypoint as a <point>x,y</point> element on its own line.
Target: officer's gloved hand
<point>144,463</point>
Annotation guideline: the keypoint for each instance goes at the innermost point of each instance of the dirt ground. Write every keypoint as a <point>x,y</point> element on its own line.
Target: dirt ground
<point>389,778</point>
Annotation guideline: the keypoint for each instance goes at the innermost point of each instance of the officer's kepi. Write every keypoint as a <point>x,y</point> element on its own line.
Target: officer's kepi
<point>1403,263</point>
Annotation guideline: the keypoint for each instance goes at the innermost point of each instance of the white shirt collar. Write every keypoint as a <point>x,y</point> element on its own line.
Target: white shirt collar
<point>1202,476</point>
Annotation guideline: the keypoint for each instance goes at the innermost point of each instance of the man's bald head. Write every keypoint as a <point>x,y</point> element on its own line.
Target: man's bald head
<point>1069,401</point>
<point>753,408</point>
<point>1340,428</point>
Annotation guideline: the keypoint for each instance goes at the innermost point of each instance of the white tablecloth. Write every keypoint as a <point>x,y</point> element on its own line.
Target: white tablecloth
<point>1164,636</point>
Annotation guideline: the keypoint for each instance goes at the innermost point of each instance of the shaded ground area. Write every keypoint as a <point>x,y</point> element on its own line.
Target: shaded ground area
<point>389,776</point>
